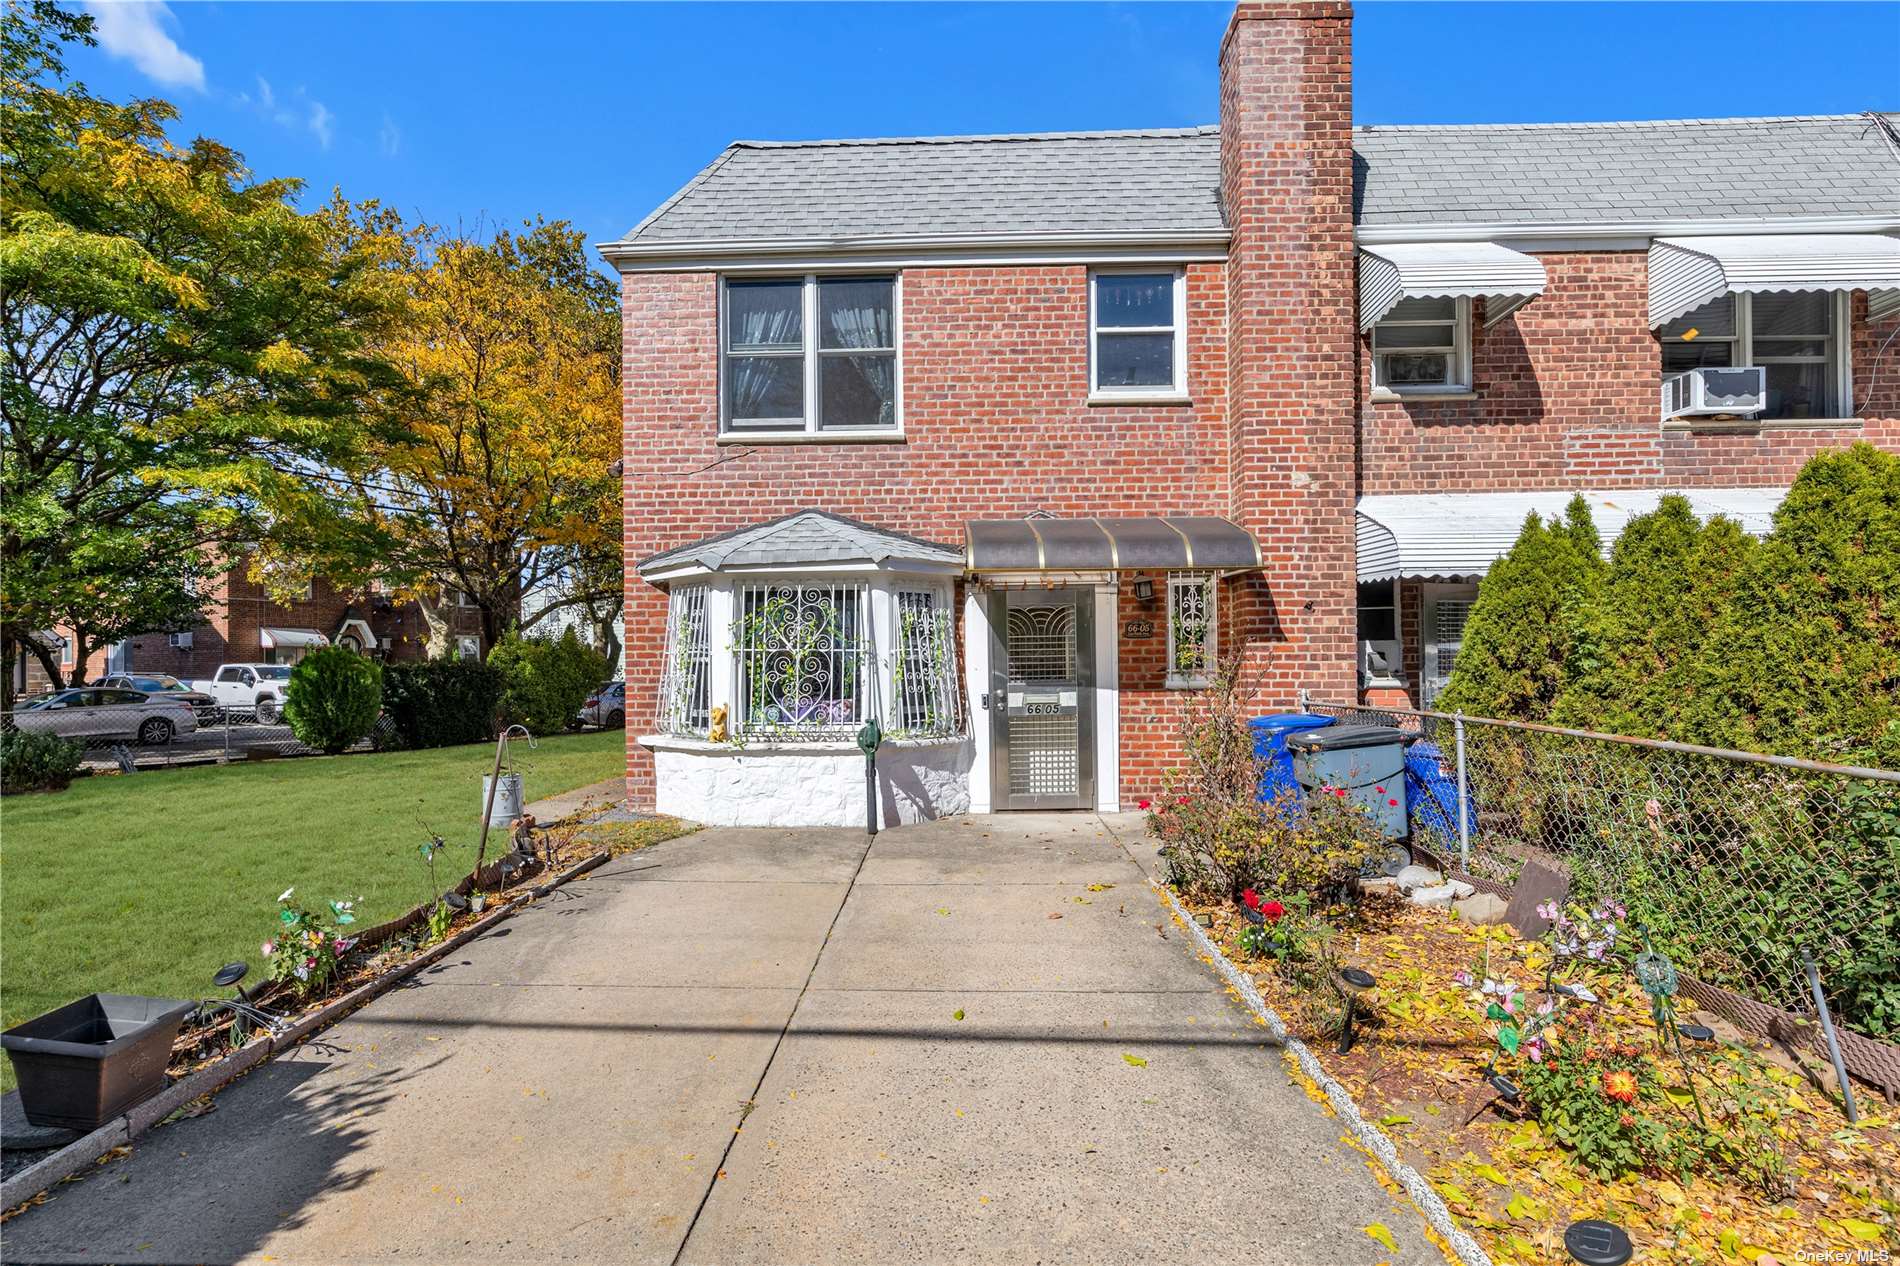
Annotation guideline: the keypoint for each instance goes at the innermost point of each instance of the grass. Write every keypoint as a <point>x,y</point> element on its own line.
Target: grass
<point>147,884</point>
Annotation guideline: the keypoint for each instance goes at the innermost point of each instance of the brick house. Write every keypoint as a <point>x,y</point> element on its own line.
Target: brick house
<point>245,625</point>
<point>1005,440</point>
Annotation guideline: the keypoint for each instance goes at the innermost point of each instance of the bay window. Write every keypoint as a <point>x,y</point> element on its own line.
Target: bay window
<point>1423,345</point>
<point>1137,334</point>
<point>1794,336</point>
<point>802,650</point>
<point>809,355</point>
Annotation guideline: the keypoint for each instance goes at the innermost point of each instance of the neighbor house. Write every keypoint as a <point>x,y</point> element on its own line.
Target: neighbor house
<point>245,625</point>
<point>1007,441</point>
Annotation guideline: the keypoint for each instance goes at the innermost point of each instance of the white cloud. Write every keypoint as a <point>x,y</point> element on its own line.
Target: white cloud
<point>131,29</point>
<point>322,124</point>
<point>389,138</point>
<point>304,113</point>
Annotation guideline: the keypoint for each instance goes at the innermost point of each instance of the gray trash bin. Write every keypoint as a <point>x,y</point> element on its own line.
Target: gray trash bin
<point>1367,760</point>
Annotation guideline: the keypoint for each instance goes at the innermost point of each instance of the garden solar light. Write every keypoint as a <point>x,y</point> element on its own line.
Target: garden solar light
<point>1353,982</point>
<point>1506,1088</point>
<point>1597,1243</point>
<point>454,900</point>
<point>229,974</point>
<point>1696,1032</point>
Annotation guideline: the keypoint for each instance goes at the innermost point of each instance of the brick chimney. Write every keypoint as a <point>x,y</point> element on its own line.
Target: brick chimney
<point>1286,184</point>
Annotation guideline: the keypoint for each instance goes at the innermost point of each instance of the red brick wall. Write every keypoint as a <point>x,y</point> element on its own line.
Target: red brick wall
<point>1286,184</point>
<point>995,366</point>
<point>1567,397</point>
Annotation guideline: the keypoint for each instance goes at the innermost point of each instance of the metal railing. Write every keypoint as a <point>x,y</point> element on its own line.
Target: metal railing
<point>1738,864</point>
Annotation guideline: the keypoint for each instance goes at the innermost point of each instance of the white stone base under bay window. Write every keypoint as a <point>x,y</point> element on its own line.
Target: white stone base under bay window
<point>809,784</point>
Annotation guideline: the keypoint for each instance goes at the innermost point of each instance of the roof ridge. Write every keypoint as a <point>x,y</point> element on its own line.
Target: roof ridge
<point>1610,123</point>
<point>1158,133</point>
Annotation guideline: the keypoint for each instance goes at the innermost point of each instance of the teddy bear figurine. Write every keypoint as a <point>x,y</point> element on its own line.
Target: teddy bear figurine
<point>716,732</point>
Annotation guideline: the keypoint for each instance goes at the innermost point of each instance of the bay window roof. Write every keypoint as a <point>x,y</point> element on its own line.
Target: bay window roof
<point>1508,279</point>
<point>1457,536</point>
<point>807,539</point>
<point>1687,272</point>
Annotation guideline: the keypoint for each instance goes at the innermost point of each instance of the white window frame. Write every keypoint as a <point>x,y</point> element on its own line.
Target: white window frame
<point>1210,639</point>
<point>1396,678</point>
<point>179,641</point>
<point>777,430</point>
<point>1178,390</point>
<point>1840,356</point>
<point>1457,356</point>
<point>941,691</point>
<point>686,670</point>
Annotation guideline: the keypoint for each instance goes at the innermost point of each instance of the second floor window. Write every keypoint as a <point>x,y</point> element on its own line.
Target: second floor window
<point>1137,344</point>
<point>809,354</point>
<point>1794,336</point>
<point>1423,345</point>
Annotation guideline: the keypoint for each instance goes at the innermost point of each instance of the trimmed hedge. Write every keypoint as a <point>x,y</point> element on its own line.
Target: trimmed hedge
<point>32,761</point>
<point>332,699</point>
<point>441,703</point>
<point>547,680</point>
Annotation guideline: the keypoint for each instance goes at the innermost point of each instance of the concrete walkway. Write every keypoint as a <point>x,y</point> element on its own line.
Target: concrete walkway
<point>774,1046</point>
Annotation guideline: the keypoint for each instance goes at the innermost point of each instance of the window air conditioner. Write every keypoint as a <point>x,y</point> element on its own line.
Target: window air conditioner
<point>1707,392</point>
<point>1380,661</point>
<point>180,641</point>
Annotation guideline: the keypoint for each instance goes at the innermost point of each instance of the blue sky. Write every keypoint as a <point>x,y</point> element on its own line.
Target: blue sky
<point>596,112</point>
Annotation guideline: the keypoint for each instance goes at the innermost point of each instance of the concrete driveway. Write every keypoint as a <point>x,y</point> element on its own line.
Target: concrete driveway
<point>774,1046</point>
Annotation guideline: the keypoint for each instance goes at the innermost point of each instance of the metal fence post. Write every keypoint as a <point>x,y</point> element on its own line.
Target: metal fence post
<point>1464,826</point>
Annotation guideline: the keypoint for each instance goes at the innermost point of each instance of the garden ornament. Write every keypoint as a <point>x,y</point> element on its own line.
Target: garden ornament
<point>1353,981</point>
<point>716,731</point>
<point>868,739</point>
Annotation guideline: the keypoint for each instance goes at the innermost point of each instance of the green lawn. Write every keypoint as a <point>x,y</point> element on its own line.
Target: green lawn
<point>146,884</point>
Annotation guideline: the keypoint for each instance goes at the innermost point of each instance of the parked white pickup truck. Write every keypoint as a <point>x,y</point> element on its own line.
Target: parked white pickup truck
<point>253,688</point>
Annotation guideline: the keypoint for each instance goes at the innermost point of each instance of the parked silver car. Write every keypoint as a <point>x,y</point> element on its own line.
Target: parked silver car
<point>206,708</point>
<point>101,714</point>
<point>606,707</point>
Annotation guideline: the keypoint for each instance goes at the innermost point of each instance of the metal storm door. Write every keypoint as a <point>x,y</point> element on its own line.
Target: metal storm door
<point>1042,704</point>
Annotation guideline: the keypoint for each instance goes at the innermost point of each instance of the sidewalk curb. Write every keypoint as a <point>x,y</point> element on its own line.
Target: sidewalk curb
<point>121,1130</point>
<point>1370,1136</point>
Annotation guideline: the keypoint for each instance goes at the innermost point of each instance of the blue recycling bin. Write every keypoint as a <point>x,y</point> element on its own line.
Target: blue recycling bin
<point>1277,784</point>
<point>1431,793</point>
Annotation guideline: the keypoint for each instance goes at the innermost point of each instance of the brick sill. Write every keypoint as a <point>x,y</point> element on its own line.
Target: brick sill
<point>1171,399</point>
<point>816,437</point>
<point>1381,395</point>
<point>1749,427</point>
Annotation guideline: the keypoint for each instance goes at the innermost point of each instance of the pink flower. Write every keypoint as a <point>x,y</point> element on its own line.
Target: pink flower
<point>1534,1050</point>
<point>1182,800</point>
<point>1143,804</point>
<point>1462,979</point>
<point>269,948</point>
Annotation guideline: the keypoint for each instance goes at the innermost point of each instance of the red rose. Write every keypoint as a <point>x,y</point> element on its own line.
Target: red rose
<point>1143,804</point>
<point>1380,790</point>
<point>1340,792</point>
<point>1182,800</point>
<point>1393,803</point>
<point>1250,899</point>
<point>1273,910</point>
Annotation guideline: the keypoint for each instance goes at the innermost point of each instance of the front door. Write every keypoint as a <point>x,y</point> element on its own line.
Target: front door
<point>1042,705</point>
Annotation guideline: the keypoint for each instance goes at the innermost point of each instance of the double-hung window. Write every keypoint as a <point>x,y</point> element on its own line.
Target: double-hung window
<point>1423,345</point>
<point>1795,336</point>
<point>1191,624</point>
<point>809,355</point>
<point>1137,334</point>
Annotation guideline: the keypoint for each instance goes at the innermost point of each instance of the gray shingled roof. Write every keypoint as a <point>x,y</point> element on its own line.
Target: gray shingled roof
<point>1168,180</point>
<point>807,536</point>
<point>1689,169</point>
<point>1060,181</point>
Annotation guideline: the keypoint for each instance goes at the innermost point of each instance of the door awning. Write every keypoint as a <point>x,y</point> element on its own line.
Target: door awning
<point>1175,542</point>
<point>1457,536</point>
<point>291,639</point>
<point>1507,279</point>
<point>1687,272</point>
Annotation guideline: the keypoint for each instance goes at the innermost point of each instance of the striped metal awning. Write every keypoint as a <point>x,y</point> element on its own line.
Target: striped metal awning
<point>1687,272</point>
<point>1457,536</point>
<point>1174,542</point>
<point>1507,279</point>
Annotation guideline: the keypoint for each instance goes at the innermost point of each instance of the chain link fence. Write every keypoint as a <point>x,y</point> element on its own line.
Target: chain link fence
<point>156,733</point>
<point>1738,865</point>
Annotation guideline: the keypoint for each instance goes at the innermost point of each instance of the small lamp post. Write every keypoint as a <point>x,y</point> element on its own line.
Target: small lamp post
<point>1353,981</point>
<point>868,738</point>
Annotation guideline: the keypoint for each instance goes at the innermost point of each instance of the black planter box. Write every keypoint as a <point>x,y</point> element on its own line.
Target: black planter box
<point>90,1060</point>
